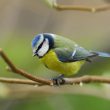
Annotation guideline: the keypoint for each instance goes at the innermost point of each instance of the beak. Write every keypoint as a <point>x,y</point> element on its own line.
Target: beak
<point>34,54</point>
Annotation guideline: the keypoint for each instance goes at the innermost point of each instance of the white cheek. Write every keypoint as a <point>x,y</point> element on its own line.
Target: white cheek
<point>43,50</point>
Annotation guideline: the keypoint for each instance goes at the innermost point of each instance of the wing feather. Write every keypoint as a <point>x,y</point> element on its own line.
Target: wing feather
<point>72,55</point>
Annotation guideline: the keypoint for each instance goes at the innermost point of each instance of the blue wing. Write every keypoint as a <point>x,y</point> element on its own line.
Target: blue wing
<point>69,55</point>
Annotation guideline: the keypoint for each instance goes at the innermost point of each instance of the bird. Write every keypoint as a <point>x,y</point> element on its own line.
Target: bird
<point>61,54</point>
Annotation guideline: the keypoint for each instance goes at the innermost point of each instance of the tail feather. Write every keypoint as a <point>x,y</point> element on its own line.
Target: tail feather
<point>102,54</point>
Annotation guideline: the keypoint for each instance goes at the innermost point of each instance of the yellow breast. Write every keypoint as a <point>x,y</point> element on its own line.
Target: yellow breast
<point>51,61</point>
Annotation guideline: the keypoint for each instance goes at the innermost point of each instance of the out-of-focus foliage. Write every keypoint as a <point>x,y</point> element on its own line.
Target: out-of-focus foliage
<point>108,1</point>
<point>65,102</point>
<point>20,20</point>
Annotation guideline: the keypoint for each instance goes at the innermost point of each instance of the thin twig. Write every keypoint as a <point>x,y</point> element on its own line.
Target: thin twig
<point>87,79</point>
<point>80,8</point>
<point>22,72</point>
<point>18,81</point>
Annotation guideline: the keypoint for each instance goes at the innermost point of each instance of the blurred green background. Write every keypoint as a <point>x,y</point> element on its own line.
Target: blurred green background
<point>20,20</point>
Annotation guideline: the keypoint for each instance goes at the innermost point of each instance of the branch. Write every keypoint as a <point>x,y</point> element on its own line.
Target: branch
<point>79,8</point>
<point>68,81</point>
<point>40,81</point>
<point>22,72</point>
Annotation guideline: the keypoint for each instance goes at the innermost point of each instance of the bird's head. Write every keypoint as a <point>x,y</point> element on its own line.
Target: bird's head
<point>42,43</point>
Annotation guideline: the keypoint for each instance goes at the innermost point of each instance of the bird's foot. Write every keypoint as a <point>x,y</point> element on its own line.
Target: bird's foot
<point>58,80</point>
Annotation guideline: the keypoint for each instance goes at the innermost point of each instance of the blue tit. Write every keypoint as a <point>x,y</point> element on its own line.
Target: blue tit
<point>62,54</point>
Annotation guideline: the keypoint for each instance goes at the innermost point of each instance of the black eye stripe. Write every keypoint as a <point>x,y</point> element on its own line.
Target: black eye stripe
<point>40,46</point>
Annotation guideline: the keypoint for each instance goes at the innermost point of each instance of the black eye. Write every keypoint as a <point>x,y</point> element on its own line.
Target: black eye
<point>39,46</point>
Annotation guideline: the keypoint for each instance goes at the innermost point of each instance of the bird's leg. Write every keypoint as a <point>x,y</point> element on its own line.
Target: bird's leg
<point>58,80</point>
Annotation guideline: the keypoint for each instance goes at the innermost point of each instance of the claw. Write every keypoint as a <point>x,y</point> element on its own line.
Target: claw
<point>58,80</point>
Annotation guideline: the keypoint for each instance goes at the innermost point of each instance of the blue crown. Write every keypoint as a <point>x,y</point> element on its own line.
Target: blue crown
<point>35,40</point>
